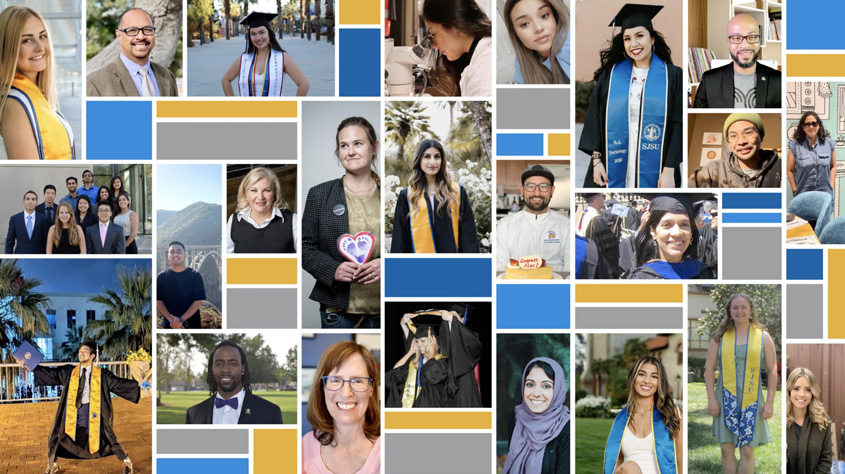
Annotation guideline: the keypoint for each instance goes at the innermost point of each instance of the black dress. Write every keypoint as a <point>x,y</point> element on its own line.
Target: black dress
<point>64,244</point>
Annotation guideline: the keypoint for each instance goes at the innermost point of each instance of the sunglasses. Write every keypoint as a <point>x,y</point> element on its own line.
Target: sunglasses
<point>810,124</point>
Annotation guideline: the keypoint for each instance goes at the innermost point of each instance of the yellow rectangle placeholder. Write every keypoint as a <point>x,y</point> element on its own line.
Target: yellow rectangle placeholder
<point>639,293</point>
<point>226,109</point>
<point>261,271</point>
<point>835,295</point>
<point>437,420</point>
<point>559,144</point>
<point>815,65</point>
<point>359,12</point>
<point>274,452</point>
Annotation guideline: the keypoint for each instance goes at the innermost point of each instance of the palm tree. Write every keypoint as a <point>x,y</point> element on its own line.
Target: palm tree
<point>227,11</point>
<point>128,322</point>
<point>317,11</point>
<point>404,121</point>
<point>481,119</point>
<point>308,14</point>
<point>75,337</point>
<point>301,19</point>
<point>21,314</point>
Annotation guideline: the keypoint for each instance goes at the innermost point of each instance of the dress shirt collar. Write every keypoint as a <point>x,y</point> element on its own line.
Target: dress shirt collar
<point>132,66</point>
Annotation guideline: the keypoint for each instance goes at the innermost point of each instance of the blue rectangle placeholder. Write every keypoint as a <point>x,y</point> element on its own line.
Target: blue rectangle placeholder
<point>111,137</point>
<point>532,306</point>
<point>804,264</point>
<point>359,63</point>
<point>826,28</point>
<point>205,466</point>
<point>519,144</point>
<point>752,217</point>
<point>438,277</point>
<point>751,201</point>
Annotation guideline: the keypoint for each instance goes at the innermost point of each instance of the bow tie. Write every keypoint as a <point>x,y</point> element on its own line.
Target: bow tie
<point>232,402</point>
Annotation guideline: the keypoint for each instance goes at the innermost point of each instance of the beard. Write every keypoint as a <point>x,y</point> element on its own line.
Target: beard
<point>748,64</point>
<point>537,206</point>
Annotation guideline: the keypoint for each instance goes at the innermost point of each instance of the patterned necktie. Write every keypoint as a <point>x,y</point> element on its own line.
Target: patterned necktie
<point>147,89</point>
<point>29,226</point>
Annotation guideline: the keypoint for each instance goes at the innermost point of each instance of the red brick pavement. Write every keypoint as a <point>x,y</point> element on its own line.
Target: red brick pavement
<point>23,439</point>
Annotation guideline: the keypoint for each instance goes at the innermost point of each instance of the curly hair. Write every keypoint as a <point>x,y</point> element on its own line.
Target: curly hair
<point>800,135</point>
<point>616,52</point>
<point>662,399</point>
<point>815,409</point>
<point>728,322</point>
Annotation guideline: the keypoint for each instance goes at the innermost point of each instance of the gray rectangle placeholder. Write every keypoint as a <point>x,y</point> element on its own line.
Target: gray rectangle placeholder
<point>625,317</point>
<point>452,453</point>
<point>804,311</point>
<point>528,109</point>
<point>263,308</point>
<point>751,253</point>
<point>225,141</point>
<point>208,441</point>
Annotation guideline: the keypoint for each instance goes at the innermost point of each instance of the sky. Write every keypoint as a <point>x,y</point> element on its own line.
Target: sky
<point>179,186</point>
<point>61,275</point>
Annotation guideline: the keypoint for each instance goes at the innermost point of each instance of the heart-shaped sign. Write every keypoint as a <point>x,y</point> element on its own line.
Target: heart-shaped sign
<point>358,248</point>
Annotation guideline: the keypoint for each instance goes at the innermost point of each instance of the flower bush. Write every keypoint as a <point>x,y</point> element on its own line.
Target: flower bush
<point>592,406</point>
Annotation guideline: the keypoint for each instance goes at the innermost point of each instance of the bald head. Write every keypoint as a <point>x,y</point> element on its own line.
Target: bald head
<point>744,43</point>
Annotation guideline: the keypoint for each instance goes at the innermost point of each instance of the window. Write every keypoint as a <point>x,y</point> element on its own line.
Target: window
<point>696,340</point>
<point>90,315</point>
<point>51,318</point>
<point>45,345</point>
<point>71,318</point>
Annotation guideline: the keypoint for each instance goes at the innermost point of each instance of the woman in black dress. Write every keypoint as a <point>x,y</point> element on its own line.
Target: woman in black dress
<point>85,214</point>
<point>65,237</point>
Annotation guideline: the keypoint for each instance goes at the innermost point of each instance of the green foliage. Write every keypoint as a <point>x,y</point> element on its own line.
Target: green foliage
<point>767,307</point>
<point>102,19</point>
<point>287,372</point>
<point>69,349</point>
<point>128,322</point>
<point>583,94</point>
<point>405,124</point>
<point>696,366</point>
<point>21,311</point>
<point>198,12</point>
<point>615,370</point>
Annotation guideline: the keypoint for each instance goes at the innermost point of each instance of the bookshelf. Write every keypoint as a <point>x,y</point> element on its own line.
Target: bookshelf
<point>709,31</point>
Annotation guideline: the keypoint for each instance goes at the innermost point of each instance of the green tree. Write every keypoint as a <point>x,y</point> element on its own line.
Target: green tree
<point>21,309</point>
<point>128,322</point>
<point>767,307</point>
<point>74,336</point>
<point>405,121</point>
<point>287,373</point>
<point>198,13</point>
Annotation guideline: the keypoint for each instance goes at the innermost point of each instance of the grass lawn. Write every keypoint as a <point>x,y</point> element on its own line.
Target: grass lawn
<point>704,455</point>
<point>177,404</point>
<point>590,438</point>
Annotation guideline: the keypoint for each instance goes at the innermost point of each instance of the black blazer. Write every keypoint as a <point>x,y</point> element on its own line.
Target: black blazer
<point>18,240</point>
<point>255,411</point>
<point>321,227</point>
<point>813,453</point>
<point>42,209</point>
<point>115,241</point>
<point>716,89</point>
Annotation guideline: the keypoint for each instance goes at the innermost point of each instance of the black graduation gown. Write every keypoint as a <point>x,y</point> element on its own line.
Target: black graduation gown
<point>594,134</point>
<point>608,246</point>
<point>432,390</point>
<point>60,444</point>
<point>444,237</point>
<point>707,246</point>
<point>647,273</point>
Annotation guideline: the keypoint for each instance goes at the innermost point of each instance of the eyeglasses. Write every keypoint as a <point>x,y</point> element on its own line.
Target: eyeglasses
<point>737,39</point>
<point>749,133</point>
<point>544,188</point>
<point>148,31</point>
<point>810,124</point>
<point>104,210</point>
<point>358,384</point>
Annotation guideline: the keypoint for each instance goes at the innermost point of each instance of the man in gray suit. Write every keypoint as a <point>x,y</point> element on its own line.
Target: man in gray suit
<point>105,237</point>
<point>132,74</point>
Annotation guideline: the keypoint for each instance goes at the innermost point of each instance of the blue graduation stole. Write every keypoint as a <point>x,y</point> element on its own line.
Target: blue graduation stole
<point>664,445</point>
<point>652,124</point>
<point>580,254</point>
<point>684,270</point>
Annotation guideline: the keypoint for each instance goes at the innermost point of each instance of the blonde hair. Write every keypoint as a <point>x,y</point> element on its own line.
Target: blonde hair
<point>72,233</point>
<point>728,322</point>
<point>662,398</point>
<point>254,176</point>
<point>443,181</point>
<point>815,409</point>
<point>533,71</point>
<point>12,20</point>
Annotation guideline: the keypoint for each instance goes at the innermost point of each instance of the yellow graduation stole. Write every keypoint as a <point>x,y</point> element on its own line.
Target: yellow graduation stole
<point>422,224</point>
<point>741,419</point>
<point>410,393</point>
<point>93,408</point>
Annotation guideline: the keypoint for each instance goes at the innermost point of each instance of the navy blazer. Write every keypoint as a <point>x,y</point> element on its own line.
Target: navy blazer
<point>115,241</point>
<point>255,411</point>
<point>42,209</point>
<point>19,242</point>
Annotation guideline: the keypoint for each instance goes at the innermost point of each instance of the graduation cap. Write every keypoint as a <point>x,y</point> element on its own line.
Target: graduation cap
<point>677,203</point>
<point>255,19</point>
<point>425,323</point>
<point>633,15</point>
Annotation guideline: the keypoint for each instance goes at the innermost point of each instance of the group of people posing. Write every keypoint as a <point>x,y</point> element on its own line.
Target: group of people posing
<point>88,220</point>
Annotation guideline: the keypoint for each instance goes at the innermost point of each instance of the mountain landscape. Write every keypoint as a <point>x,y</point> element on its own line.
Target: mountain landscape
<point>198,224</point>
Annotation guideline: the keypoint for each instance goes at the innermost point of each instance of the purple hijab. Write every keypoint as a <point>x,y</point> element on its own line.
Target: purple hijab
<point>533,431</point>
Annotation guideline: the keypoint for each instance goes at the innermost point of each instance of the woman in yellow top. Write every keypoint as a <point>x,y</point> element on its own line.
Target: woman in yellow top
<point>30,122</point>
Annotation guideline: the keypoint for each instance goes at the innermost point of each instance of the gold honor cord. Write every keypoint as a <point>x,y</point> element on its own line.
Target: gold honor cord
<point>93,408</point>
